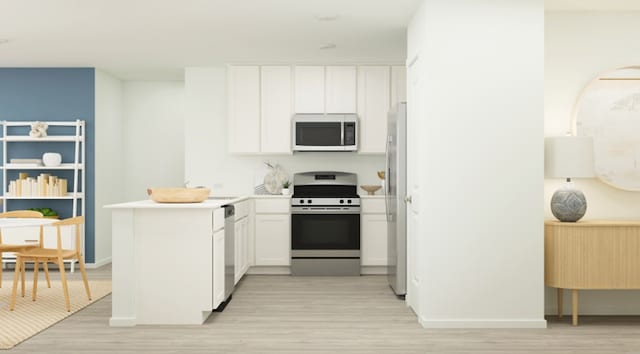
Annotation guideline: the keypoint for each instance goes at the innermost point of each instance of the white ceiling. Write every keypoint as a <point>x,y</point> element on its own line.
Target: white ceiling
<point>156,39</point>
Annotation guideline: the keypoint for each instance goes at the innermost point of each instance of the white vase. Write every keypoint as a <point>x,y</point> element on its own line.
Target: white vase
<point>51,159</point>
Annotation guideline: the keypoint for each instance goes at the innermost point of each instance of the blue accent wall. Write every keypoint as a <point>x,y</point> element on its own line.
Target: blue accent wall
<point>53,94</point>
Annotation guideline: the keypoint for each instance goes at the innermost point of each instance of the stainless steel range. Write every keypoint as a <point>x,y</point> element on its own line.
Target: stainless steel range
<point>325,224</point>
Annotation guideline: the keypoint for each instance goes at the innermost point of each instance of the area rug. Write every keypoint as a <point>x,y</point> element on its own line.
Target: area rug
<point>29,317</point>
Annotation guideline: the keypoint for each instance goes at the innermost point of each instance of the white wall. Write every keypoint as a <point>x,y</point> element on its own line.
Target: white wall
<point>481,145</point>
<point>109,154</point>
<point>153,148</point>
<point>578,47</point>
<point>207,161</point>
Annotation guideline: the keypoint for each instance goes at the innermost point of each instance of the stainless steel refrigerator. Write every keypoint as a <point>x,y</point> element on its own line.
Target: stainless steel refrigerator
<point>395,192</point>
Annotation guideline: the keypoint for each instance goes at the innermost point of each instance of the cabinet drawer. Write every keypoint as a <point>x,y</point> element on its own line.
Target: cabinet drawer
<point>373,206</point>
<point>273,206</point>
<point>242,209</point>
<point>31,235</point>
<point>218,219</point>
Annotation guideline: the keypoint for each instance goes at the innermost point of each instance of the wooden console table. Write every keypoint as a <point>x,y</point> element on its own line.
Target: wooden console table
<point>591,255</point>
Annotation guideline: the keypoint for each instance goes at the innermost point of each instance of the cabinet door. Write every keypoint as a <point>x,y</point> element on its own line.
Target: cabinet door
<point>374,239</point>
<point>340,89</point>
<point>275,88</point>
<point>244,109</point>
<point>373,107</point>
<point>218,268</point>
<point>238,245</point>
<point>245,250</point>
<point>273,240</point>
<point>398,84</point>
<point>309,89</point>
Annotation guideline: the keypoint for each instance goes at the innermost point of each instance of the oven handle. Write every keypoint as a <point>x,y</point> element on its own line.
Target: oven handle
<point>324,211</point>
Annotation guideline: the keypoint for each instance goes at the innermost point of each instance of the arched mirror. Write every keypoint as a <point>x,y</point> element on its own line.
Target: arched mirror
<point>609,111</point>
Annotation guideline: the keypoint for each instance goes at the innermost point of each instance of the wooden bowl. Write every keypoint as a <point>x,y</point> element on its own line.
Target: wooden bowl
<point>178,195</point>
<point>371,189</point>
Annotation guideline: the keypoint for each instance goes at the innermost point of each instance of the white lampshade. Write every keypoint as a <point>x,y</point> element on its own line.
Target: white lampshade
<point>569,157</point>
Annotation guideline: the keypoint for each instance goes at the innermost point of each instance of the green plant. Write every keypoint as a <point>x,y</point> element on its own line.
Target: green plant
<point>46,211</point>
<point>286,184</point>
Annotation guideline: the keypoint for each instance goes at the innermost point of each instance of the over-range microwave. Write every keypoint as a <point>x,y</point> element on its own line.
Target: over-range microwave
<point>325,132</point>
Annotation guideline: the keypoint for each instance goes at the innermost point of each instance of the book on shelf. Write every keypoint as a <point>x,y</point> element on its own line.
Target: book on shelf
<point>43,185</point>
<point>24,163</point>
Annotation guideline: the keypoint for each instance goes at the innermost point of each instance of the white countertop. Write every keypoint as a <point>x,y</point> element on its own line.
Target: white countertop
<point>150,204</point>
<point>210,203</point>
<point>213,203</point>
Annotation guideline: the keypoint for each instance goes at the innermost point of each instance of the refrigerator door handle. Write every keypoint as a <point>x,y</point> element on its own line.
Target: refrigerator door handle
<point>386,178</point>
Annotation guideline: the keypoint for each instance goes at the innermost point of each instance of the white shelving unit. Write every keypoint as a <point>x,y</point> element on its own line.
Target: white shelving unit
<point>77,184</point>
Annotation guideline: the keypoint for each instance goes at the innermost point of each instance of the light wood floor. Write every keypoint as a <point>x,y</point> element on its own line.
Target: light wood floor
<point>282,314</point>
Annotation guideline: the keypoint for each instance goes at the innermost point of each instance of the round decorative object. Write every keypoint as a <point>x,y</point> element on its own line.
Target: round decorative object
<point>371,189</point>
<point>51,159</point>
<point>274,179</point>
<point>568,205</point>
<point>609,111</point>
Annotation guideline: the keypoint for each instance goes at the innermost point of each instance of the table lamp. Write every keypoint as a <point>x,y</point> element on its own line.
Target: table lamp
<point>569,157</point>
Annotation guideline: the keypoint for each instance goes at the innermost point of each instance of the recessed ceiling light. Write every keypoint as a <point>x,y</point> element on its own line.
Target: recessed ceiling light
<point>328,46</point>
<point>327,17</point>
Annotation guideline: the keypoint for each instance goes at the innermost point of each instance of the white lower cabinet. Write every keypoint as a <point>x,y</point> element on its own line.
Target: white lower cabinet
<point>30,236</point>
<point>373,243</point>
<point>373,232</point>
<point>241,262</point>
<point>218,268</point>
<point>272,239</point>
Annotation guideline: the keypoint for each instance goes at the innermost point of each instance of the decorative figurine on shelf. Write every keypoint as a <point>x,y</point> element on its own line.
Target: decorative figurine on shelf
<point>38,130</point>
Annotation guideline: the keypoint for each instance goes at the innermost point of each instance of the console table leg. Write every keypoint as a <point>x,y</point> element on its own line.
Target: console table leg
<point>560,298</point>
<point>574,302</point>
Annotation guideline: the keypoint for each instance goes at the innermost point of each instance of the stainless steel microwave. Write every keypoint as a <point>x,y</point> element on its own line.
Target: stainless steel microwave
<point>325,132</point>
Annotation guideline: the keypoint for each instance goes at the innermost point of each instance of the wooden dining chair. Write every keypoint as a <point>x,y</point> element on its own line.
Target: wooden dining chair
<point>55,255</point>
<point>21,214</point>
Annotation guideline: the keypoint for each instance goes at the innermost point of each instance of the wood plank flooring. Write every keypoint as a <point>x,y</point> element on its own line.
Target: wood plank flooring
<point>283,314</point>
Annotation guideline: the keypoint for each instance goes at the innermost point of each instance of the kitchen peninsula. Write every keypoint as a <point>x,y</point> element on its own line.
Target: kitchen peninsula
<point>164,260</point>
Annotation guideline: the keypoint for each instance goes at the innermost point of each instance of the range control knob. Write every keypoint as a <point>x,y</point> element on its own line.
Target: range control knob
<point>349,201</point>
<point>301,201</point>
<point>309,201</point>
<point>341,201</point>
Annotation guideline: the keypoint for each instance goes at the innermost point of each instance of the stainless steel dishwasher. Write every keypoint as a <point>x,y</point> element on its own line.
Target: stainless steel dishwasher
<point>229,251</point>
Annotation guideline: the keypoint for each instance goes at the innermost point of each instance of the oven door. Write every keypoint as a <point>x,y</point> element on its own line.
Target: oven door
<point>325,233</point>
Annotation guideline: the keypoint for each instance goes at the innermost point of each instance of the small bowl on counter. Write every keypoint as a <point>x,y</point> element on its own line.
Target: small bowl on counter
<point>371,189</point>
<point>178,195</point>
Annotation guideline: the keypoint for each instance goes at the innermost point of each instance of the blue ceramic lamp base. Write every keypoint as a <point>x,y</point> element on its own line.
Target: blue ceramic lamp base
<point>568,204</point>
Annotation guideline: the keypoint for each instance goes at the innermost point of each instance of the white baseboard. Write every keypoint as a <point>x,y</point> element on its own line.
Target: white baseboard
<point>122,321</point>
<point>286,270</point>
<point>269,270</point>
<point>482,323</point>
<point>98,264</point>
<point>373,270</point>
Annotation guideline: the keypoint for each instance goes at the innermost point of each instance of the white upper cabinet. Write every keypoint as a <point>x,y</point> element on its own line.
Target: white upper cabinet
<point>398,84</point>
<point>373,107</point>
<point>340,89</point>
<point>244,109</point>
<point>309,89</point>
<point>275,109</point>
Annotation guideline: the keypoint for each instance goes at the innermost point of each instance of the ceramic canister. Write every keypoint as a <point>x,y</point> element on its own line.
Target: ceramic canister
<point>51,159</point>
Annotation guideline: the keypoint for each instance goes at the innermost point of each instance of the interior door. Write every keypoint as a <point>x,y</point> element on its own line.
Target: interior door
<point>413,187</point>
